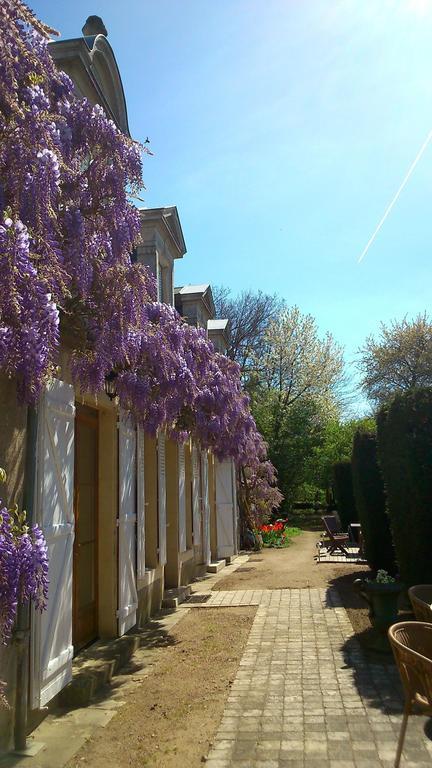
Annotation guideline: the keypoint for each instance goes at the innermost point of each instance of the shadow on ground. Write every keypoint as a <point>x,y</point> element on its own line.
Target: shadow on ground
<point>375,674</point>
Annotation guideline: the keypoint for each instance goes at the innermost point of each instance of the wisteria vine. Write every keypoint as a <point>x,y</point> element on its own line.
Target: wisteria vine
<point>67,228</point>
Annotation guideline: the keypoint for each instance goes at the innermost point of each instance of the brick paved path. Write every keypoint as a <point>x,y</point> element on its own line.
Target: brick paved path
<point>305,694</point>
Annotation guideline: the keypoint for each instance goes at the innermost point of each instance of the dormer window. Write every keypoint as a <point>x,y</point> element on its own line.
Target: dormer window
<point>161,244</point>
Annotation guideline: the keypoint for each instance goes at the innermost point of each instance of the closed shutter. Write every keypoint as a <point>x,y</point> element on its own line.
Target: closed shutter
<point>205,508</point>
<point>182,499</point>
<point>226,513</point>
<point>51,648</point>
<point>235,506</point>
<point>196,498</point>
<point>128,599</point>
<point>140,504</point>
<point>162,499</point>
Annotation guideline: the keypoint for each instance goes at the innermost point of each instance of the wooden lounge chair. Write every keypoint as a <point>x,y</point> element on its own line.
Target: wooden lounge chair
<point>421,601</point>
<point>337,541</point>
<point>411,642</point>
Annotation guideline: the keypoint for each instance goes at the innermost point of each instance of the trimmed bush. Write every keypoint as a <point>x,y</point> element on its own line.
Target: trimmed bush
<point>344,494</point>
<point>370,502</point>
<point>405,456</point>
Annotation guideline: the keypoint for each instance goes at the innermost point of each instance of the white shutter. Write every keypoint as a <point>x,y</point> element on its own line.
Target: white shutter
<point>182,499</point>
<point>196,498</point>
<point>140,504</point>
<point>226,509</point>
<point>128,599</point>
<point>162,499</point>
<point>235,507</point>
<point>205,509</point>
<point>51,648</point>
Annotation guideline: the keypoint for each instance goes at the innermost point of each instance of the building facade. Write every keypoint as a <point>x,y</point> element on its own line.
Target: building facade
<point>126,516</point>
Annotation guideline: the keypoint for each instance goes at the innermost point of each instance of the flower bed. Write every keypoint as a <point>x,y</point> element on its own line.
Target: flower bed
<point>277,534</point>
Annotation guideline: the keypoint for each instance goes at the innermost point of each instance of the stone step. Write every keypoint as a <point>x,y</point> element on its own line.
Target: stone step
<point>173,597</point>
<point>216,566</point>
<point>232,558</point>
<point>95,667</point>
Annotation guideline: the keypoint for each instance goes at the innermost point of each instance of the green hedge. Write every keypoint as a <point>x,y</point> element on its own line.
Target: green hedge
<point>405,455</point>
<point>370,502</point>
<point>344,494</point>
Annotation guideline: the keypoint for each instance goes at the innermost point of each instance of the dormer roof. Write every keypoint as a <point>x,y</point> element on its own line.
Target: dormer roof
<point>90,63</point>
<point>201,292</point>
<point>218,325</point>
<point>169,219</point>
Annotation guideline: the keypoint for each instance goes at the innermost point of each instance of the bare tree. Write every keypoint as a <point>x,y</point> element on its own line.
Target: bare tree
<point>400,358</point>
<point>249,314</point>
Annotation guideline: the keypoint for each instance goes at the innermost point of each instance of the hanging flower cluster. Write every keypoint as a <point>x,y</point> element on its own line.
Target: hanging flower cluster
<point>23,568</point>
<point>67,228</point>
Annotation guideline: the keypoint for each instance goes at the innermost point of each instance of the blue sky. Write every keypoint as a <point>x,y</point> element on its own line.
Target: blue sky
<point>281,130</point>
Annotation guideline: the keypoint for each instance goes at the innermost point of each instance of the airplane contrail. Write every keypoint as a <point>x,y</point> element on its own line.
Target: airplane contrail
<point>395,198</point>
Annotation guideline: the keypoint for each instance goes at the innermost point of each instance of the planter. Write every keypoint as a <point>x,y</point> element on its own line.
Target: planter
<point>383,602</point>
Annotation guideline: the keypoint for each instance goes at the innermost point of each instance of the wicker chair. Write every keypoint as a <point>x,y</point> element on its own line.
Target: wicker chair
<point>421,601</point>
<point>411,642</point>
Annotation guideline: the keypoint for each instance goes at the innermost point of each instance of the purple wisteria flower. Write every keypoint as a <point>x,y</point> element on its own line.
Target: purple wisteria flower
<point>67,229</point>
<point>23,568</point>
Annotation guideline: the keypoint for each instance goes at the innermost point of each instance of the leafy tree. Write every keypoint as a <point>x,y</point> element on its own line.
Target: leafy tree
<point>294,389</point>
<point>299,433</point>
<point>295,362</point>
<point>336,445</point>
<point>249,314</point>
<point>399,359</point>
<point>344,493</point>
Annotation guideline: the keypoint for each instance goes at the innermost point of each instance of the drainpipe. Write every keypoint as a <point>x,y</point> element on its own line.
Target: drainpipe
<point>22,625</point>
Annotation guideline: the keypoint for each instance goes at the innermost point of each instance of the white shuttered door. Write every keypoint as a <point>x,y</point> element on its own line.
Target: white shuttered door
<point>140,504</point>
<point>196,505</point>
<point>205,509</point>
<point>235,510</point>
<point>226,509</point>
<point>52,650</point>
<point>182,499</point>
<point>128,599</point>
<point>162,499</point>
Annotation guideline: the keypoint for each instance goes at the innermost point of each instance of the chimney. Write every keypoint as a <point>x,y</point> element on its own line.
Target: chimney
<point>94,26</point>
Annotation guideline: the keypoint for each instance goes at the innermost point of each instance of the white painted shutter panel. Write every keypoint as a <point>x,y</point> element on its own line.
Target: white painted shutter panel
<point>162,499</point>
<point>128,598</point>
<point>225,509</point>
<point>196,498</point>
<point>140,504</point>
<point>205,508</point>
<point>51,649</point>
<point>235,506</point>
<point>182,499</point>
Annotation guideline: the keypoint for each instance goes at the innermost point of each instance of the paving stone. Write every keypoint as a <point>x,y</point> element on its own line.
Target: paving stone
<point>306,695</point>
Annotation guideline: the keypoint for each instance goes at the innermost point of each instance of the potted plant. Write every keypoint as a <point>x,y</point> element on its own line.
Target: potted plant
<point>382,594</point>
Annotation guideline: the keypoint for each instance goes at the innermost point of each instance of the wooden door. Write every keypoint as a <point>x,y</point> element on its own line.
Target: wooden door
<point>85,581</point>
